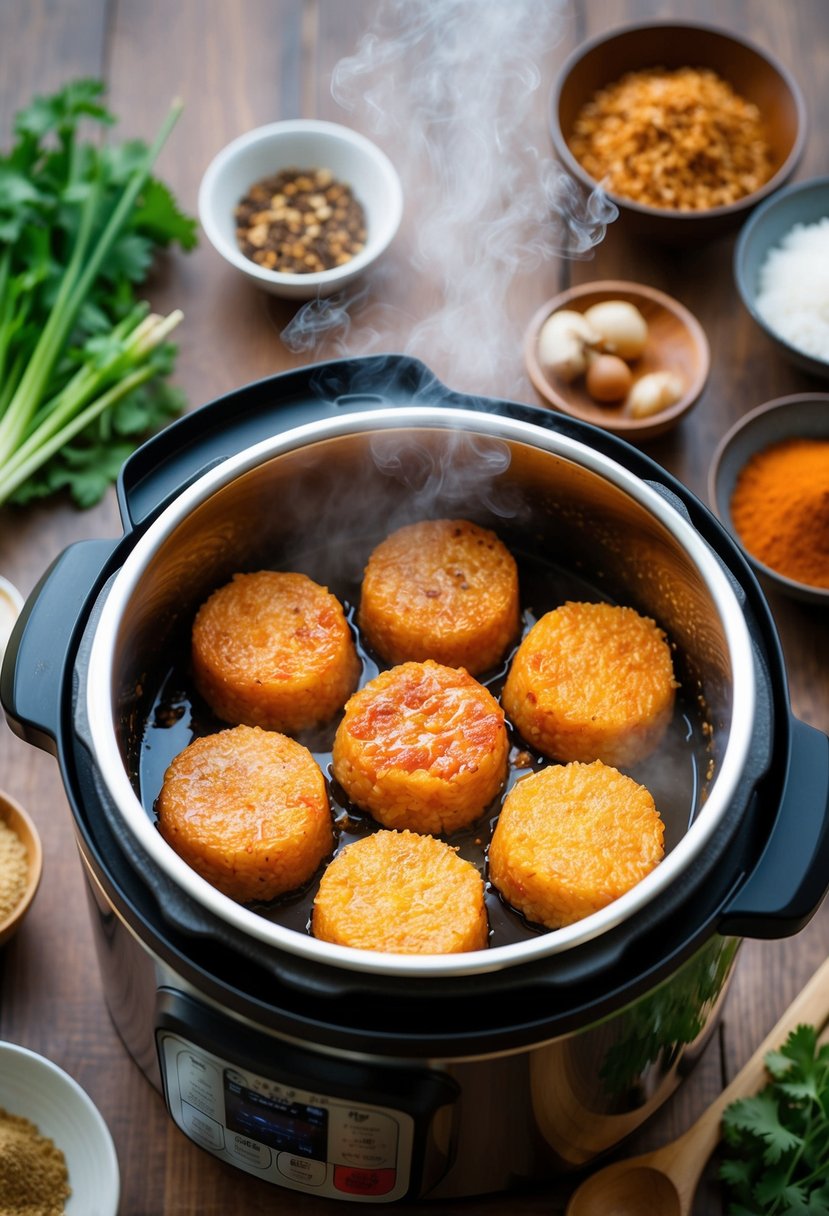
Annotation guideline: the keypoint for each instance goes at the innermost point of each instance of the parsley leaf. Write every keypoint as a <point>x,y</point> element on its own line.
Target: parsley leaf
<point>777,1142</point>
<point>83,363</point>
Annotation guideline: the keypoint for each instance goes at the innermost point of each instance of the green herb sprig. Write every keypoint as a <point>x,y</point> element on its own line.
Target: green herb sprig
<point>83,362</point>
<point>777,1142</point>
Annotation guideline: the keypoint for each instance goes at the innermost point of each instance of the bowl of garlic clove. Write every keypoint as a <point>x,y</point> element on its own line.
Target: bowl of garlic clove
<point>623,356</point>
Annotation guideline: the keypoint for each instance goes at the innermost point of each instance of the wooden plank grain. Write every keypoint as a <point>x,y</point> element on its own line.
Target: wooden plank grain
<point>235,67</point>
<point>43,45</point>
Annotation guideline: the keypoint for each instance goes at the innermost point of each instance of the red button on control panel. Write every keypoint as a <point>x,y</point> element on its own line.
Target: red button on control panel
<point>363,1182</point>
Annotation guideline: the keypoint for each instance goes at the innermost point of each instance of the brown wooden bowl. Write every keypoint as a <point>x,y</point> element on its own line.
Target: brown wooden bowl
<point>20,823</point>
<point>754,73</point>
<point>676,342</point>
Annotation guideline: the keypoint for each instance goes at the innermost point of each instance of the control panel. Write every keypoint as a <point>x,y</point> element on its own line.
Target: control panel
<point>307,1140</point>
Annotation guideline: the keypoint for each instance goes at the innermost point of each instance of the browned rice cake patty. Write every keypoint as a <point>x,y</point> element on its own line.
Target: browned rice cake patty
<point>592,682</point>
<point>274,649</point>
<point>248,810</point>
<point>401,892</point>
<point>572,838</point>
<point>422,746</point>
<point>441,589</point>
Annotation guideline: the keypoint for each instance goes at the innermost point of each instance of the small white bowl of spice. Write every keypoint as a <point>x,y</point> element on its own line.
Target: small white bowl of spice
<point>56,1151</point>
<point>301,207</point>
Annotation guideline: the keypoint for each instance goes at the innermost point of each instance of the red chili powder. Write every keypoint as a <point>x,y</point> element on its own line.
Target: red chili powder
<point>780,509</point>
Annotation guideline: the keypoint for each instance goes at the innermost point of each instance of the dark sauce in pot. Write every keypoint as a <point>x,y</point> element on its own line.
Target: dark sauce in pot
<point>675,775</point>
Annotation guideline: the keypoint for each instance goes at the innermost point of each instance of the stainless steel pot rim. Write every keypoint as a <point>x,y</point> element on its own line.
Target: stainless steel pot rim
<point>100,683</point>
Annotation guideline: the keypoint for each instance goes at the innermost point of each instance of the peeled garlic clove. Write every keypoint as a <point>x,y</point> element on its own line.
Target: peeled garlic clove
<point>621,328</point>
<point>562,344</point>
<point>608,378</point>
<point>653,393</point>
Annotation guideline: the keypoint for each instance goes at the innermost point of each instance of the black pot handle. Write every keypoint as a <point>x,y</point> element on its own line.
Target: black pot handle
<point>33,677</point>
<point>185,449</point>
<point>790,880</point>
<point>154,474</point>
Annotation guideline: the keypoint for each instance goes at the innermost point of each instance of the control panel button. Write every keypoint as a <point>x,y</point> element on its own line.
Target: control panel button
<point>363,1182</point>
<point>301,1169</point>
<point>203,1130</point>
<point>305,1140</point>
<point>199,1083</point>
<point>249,1152</point>
<point>364,1138</point>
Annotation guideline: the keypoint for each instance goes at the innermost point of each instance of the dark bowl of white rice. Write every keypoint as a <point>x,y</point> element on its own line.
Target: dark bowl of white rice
<point>781,267</point>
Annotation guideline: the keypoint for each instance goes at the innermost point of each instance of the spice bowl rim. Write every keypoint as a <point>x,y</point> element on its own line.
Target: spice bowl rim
<point>667,223</point>
<point>754,237</point>
<point>635,430</point>
<point>23,825</point>
<point>232,171</point>
<point>755,431</point>
<point>15,601</point>
<point>35,1088</point>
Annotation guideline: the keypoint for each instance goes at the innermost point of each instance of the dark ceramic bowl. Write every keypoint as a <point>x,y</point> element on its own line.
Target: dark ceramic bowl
<point>754,73</point>
<point>801,203</point>
<point>801,416</point>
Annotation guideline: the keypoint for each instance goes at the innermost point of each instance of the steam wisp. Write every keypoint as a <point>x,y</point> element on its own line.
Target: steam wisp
<point>449,89</point>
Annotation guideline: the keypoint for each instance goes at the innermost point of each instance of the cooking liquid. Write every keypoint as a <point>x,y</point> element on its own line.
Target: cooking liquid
<point>675,774</point>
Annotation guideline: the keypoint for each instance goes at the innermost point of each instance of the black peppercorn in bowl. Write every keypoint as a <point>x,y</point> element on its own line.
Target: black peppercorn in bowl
<point>301,207</point>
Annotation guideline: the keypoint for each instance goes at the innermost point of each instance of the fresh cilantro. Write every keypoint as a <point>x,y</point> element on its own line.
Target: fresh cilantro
<point>777,1142</point>
<point>83,363</point>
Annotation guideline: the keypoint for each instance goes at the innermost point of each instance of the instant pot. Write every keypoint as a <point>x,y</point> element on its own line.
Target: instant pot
<point>370,1076</point>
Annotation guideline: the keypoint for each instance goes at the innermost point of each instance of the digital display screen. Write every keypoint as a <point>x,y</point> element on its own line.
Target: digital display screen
<point>290,1127</point>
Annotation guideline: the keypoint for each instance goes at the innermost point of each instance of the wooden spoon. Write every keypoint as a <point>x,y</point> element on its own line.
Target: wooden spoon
<point>663,1182</point>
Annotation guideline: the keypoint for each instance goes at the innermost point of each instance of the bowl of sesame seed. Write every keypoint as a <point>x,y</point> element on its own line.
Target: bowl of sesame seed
<point>301,207</point>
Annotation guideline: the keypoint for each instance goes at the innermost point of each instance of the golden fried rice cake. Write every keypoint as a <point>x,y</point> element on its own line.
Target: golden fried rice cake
<point>274,649</point>
<point>441,589</point>
<point>572,838</point>
<point>422,746</point>
<point>592,682</point>
<point>248,810</point>
<point>401,892</point>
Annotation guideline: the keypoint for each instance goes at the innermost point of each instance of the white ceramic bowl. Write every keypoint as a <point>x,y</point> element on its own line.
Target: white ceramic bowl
<point>302,144</point>
<point>11,603</point>
<point>36,1089</point>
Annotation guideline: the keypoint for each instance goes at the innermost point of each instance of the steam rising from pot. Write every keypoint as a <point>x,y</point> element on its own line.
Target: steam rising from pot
<point>449,87</point>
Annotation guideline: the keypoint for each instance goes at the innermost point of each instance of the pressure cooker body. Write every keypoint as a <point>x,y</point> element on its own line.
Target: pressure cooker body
<point>342,451</point>
<point>256,1075</point>
<point>316,498</point>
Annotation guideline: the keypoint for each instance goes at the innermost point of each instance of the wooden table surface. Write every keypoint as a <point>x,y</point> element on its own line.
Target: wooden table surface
<point>237,66</point>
